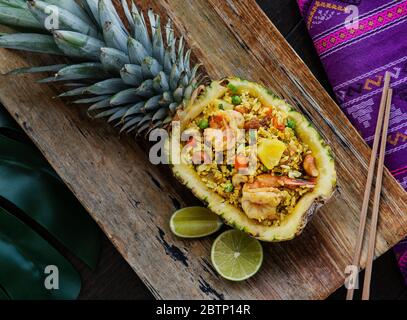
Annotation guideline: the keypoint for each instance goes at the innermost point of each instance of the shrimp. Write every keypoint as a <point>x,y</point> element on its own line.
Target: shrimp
<point>268,180</point>
<point>261,203</point>
<point>229,119</point>
<point>261,198</point>
<point>229,122</point>
<point>234,118</point>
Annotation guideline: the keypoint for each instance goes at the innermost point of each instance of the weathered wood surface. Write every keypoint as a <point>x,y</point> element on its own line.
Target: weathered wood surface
<point>132,200</point>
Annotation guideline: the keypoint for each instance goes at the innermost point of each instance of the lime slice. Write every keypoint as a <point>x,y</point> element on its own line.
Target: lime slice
<point>194,222</point>
<point>236,256</point>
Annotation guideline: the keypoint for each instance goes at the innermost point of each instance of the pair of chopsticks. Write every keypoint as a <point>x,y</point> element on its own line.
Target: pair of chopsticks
<point>380,137</point>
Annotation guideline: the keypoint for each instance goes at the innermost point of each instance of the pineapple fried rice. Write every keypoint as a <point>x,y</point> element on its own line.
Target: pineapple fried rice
<point>240,129</point>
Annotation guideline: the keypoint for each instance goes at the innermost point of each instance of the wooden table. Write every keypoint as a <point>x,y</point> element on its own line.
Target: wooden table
<point>204,286</point>
<point>114,279</point>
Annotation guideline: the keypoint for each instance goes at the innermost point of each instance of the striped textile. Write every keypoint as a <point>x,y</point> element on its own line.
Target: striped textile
<point>358,41</point>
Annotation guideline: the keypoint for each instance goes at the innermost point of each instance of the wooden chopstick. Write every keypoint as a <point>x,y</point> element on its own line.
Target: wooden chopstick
<point>372,164</point>
<point>376,202</point>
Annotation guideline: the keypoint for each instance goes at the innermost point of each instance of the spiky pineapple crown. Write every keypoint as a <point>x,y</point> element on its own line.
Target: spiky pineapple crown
<point>126,73</point>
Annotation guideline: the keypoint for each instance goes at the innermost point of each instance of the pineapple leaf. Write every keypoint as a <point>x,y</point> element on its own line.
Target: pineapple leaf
<point>113,60</point>
<point>135,109</point>
<point>92,100</point>
<point>100,104</point>
<point>17,17</point>
<point>161,82</point>
<point>73,7</point>
<point>88,70</point>
<point>125,96</point>
<point>118,114</point>
<point>108,14</point>
<point>115,37</point>
<point>158,43</point>
<point>132,74</point>
<point>53,68</point>
<point>109,86</point>
<point>66,20</point>
<point>160,114</point>
<point>152,104</point>
<point>91,7</point>
<point>137,51</point>
<point>18,4</point>
<point>150,67</point>
<point>74,92</point>
<point>140,30</point>
<point>127,13</point>
<point>131,123</point>
<point>75,44</point>
<point>30,42</point>
<point>107,113</point>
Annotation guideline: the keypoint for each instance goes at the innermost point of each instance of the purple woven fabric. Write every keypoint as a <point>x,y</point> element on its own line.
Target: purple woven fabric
<point>358,41</point>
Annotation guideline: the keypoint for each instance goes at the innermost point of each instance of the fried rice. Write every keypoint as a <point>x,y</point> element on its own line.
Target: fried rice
<point>243,119</point>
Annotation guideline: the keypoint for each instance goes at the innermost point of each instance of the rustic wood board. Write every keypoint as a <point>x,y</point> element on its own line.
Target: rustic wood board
<point>132,200</point>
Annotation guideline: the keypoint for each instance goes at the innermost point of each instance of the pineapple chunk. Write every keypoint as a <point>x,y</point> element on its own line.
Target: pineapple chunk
<point>270,152</point>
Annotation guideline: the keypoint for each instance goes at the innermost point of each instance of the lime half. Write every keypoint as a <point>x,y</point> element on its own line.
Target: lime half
<point>194,222</point>
<point>236,256</point>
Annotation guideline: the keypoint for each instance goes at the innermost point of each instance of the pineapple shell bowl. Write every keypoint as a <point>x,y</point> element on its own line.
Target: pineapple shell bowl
<point>137,75</point>
<point>292,224</point>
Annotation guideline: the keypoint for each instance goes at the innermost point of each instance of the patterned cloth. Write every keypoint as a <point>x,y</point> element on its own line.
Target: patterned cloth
<point>358,41</point>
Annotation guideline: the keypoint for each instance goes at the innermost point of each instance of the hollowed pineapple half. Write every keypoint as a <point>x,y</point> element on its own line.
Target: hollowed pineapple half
<point>138,77</point>
<point>294,222</point>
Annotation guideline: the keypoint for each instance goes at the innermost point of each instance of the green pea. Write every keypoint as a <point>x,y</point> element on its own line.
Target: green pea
<point>203,124</point>
<point>236,100</point>
<point>232,88</point>
<point>291,123</point>
<point>229,187</point>
<point>221,107</point>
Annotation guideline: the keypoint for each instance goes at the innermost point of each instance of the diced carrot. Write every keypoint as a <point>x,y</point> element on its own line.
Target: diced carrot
<point>216,121</point>
<point>276,124</point>
<point>241,162</point>
<point>268,111</point>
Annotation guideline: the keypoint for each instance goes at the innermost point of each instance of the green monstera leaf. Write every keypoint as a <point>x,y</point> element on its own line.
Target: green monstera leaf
<point>3,295</point>
<point>28,183</point>
<point>24,257</point>
<point>33,198</point>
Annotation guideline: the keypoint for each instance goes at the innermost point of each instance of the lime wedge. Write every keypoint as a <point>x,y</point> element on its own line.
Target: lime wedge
<point>236,256</point>
<point>194,222</point>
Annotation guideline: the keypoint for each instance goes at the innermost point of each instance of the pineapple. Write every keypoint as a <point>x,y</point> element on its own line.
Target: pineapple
<point>296,221</point>
<point>129,75</point>
<point>138,76</point>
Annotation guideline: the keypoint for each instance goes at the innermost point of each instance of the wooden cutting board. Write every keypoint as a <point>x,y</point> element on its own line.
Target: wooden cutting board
<point>133,200</point>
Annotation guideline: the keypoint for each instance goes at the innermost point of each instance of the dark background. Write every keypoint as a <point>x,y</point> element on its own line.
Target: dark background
<point>114,279</point>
